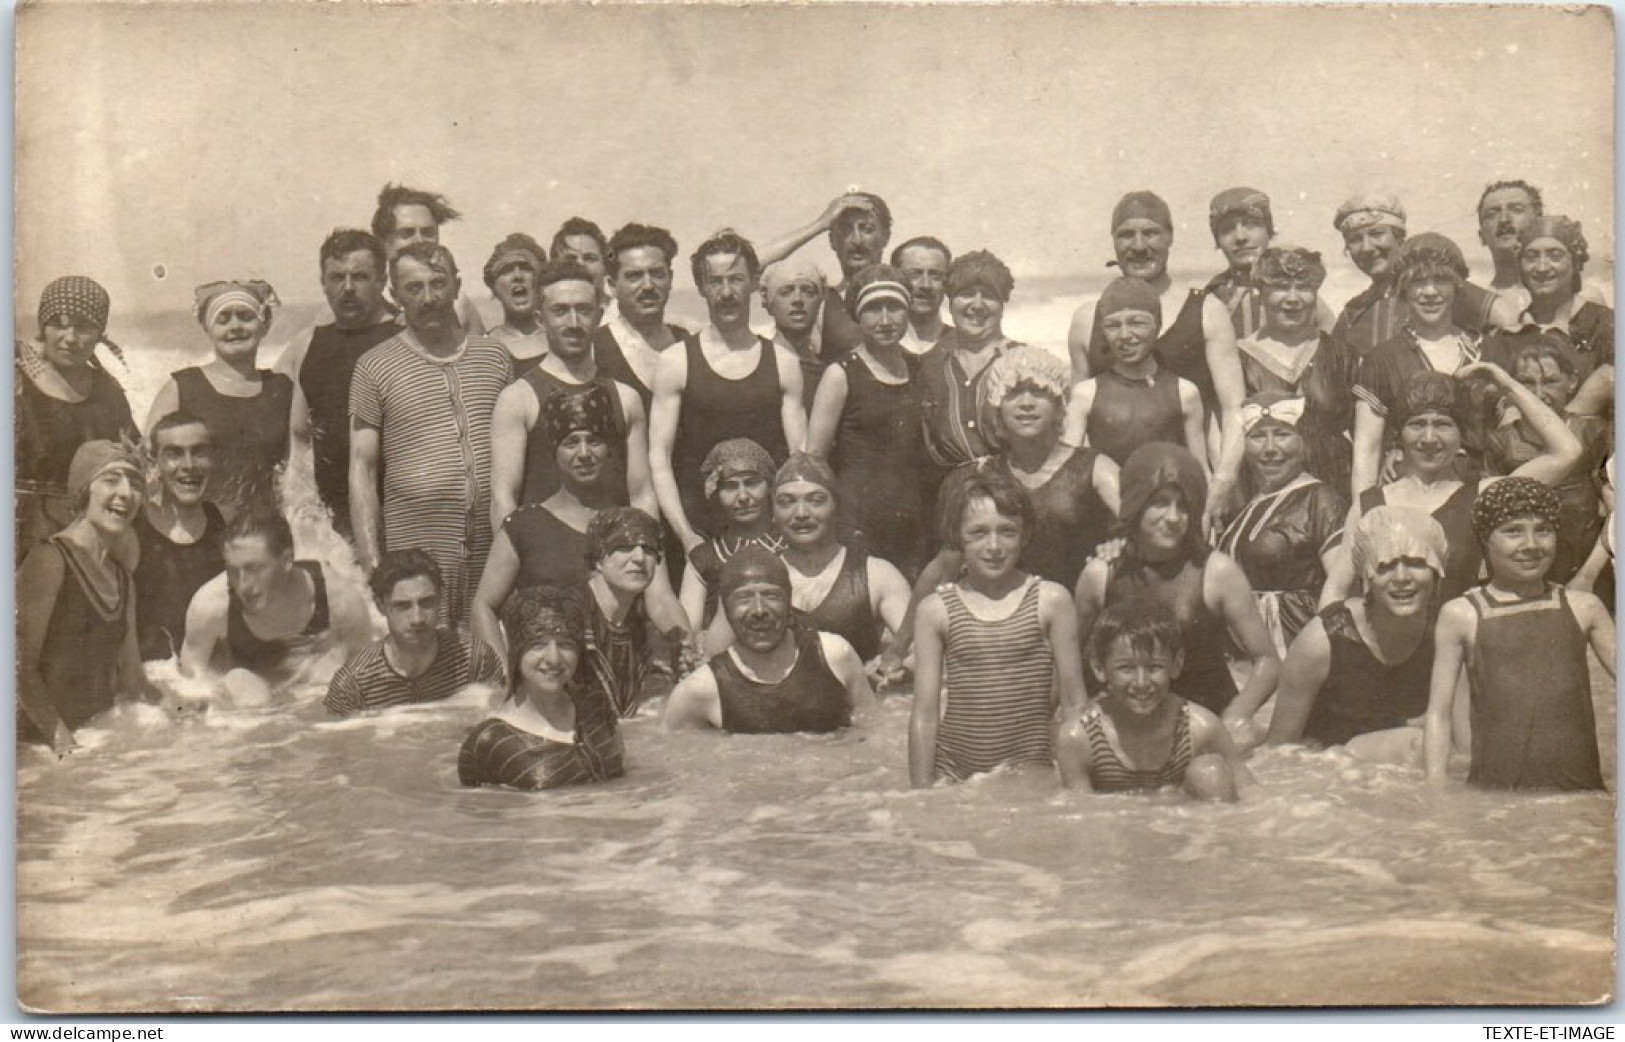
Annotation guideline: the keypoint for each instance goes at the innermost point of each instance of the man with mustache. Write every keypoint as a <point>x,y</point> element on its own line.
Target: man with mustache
<point>510,275</point>
<point>417,661</point>
<point>420,408</point>
<point>180,534</point>
<point>524,465</point>
<point>268,614</point>
<point>627,344</point>
<point>408,215</point>
<point>321,365</point>
<point>924,262</point>
<point>773,679</point>
<point>727,382</point>
<point>1198,345</point>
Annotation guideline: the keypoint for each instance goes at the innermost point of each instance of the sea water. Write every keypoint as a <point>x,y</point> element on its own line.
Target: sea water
<point>270,858</point>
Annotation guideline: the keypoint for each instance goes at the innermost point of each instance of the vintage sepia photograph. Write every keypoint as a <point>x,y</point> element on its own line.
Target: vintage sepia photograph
<point>538,506</point>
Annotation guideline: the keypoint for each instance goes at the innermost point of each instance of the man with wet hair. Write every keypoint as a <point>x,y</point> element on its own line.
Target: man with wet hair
<point>268,613</point>
<point>417,661</point>
<point>420,416</point>
<point>773,679</point>
<point>322,364</point>
<point>627,343</point>
<point>180,533</point>
<point>1198,344</point>
<point>726,382</point>
<point>924,262</point>
<point>793,294</point>
<point>510,275</point>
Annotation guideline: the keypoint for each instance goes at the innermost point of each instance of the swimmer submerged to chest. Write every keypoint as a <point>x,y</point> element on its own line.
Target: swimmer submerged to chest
<point>1139,736</point>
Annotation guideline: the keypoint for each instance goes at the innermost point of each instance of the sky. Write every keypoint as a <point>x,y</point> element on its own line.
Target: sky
<point>160,146</point>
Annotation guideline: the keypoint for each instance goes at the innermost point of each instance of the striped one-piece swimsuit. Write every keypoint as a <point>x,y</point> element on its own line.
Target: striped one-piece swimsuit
<point>1108,772</point>
<point>1000,689</point>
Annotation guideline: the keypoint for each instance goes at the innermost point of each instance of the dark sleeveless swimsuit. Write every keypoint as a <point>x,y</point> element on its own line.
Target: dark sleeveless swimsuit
<point>80,656</point>
<point>167,577</point>
<point>1462,552</point>
<point>881,466</point>
<point>324,379</point>
<point>846,610</point>
<point>810,698</point>
<point>265,657</point>
<point>550,551</point>
<point>1327,387</point>
<point>542,477</point>
<point>1362,693</point>
<point>1206,678</point>
<point>715,409</point>
<point>1108,772</point>
<point>1532,721</point>
<point>1129,413</point>
<point>250,437</point>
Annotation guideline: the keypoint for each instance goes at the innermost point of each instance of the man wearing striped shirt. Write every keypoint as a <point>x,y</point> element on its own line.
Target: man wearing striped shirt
<point>417,661</point>
<point>420,410</point>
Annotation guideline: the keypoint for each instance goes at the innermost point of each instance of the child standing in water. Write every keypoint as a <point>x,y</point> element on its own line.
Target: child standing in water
<point>1139,736</point>
<point>1523,642</point>
<point>994,649</point>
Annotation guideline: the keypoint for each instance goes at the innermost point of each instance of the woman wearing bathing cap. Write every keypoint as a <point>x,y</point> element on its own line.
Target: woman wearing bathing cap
<point>1522,641</point>
<point>1373,228</point>
<point>1135,399</point>
<point>76,642</point>
<point>867,421</point>
<point>554,729</point>
<point>245,408</point>
<point>1285,536</point>
<point>1289,353</point>
<point>1165,557</point>
<point>1358,674</point>
<point>737,477</point>
<point>62,398</point>
<point>1428,419</point>
<point>1552,255</point>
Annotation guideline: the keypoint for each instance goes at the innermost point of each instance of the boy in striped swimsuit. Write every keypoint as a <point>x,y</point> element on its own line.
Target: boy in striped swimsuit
<point>1139,736</point>
<point>994,648</point>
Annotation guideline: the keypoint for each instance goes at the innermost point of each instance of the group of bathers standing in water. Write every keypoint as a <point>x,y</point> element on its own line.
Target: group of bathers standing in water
<point>1375,514</point>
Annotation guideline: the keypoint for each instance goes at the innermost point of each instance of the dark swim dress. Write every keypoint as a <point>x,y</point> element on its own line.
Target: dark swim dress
<point>1362,693</point>
<point>250,437</point>
<point>847,610</point>
<point>80,657</point>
